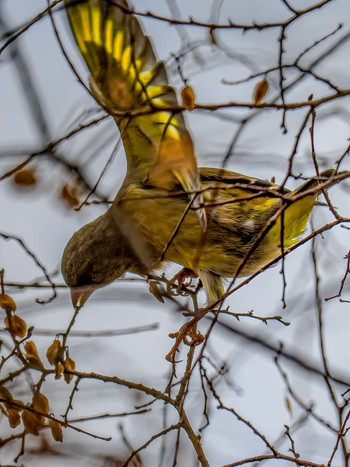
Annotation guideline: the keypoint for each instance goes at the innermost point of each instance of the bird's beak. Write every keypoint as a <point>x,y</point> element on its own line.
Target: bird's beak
<point>80,295</point>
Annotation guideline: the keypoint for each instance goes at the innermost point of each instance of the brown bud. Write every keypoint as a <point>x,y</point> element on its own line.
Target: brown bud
<point>59,369</point>
<point>69,365</point>
<point>260,91</point>
<point>7,303</point>
<point>153,288</point>
<point>41,403</point>
<point>16,325</point>
<point>14,418</point>
<point>5,394</point>
<point>54,352</point>
<point>32,422</point>
<point>289,405</point>
<point>32,354</point>
<point>56,431</point>
<point>69,194</point>
<point>188,98</point>
<point>25,177</point>
<point>19,403</point>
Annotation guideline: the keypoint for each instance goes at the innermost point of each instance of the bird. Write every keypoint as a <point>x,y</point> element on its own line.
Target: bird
<point>130,83</point>
<point>145,228</point>
<point>212,221</point>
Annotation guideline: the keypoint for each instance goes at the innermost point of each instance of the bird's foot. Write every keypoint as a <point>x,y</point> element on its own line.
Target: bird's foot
<point>178,282</point>
<point>188,334</point>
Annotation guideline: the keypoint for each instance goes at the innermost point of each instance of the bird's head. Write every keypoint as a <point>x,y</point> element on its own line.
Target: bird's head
<point>95,256</point>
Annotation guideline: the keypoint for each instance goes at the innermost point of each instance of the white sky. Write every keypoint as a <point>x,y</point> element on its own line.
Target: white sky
<point>40,218</point>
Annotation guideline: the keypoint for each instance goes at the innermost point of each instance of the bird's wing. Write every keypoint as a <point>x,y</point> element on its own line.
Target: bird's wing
<point>132,85</point>
<point>212,175</point>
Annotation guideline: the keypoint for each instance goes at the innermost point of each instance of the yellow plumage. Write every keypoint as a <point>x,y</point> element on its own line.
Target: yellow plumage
<point>150,220</point>
<point>244,225</point>
<point>129,82</point>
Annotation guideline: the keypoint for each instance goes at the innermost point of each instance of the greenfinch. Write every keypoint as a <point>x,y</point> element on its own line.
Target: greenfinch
<point>145,226</point>
<point>132,85</point>
<point>244,222</point>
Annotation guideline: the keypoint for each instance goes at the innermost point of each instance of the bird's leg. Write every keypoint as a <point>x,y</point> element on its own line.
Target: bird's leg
<point>188,334</point>
<point>179,281</point>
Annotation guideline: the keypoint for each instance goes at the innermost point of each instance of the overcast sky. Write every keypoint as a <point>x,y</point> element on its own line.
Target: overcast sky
<point>39,217</point>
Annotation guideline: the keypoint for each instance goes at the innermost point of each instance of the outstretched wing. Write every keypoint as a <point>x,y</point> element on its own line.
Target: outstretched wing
<point>129,82</point>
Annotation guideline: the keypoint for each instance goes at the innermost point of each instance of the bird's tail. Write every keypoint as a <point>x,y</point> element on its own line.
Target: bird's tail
<point>303,200</point>
<point>326,179</point>
<point>212,284</point>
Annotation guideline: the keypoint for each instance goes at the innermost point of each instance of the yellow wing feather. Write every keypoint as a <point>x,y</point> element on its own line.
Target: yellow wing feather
<point>127,77</point>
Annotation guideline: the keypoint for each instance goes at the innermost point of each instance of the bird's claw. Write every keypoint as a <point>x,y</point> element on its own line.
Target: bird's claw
<point>178,282</point>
